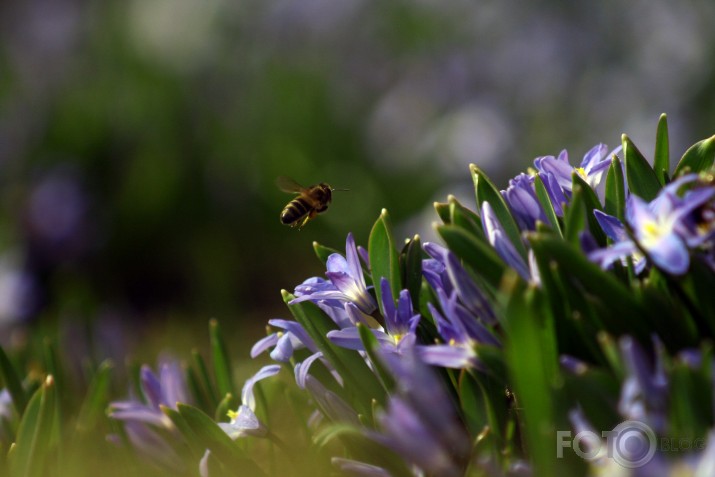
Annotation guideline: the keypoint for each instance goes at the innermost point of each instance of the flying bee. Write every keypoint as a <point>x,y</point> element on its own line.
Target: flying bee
<point>310,202</point>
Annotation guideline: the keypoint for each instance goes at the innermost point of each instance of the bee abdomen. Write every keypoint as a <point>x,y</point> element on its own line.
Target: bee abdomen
<point>294,211</point>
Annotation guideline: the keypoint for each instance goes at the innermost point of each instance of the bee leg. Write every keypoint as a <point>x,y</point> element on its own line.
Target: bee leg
<point>304,221</point>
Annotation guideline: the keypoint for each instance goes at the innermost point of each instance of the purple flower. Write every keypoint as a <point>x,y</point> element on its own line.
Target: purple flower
<point>523,202</point>
<point>283,343</point>
<point>445,272</point>
<point>144,422</point>
<point>400,321</point>
<point>498,239</point>
<point>644,394</point>
<point>244,421</point>
<point>697,210</point>
<point>353,467</point>
<point>665,228</point>
<point>591,169</point>
<point>420,423</point>
<point>460,330</point>
<point>622,248</point>
<point>168,389</point>
<point>347,283</point>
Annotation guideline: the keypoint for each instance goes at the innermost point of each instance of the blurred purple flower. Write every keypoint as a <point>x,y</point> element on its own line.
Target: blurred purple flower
<point>664,228</point>
<point>622,248</point>
<point>145,424</point>
<point>644,393</point>
<point>353,467</point>
<point>347,283</point>
<point>420,423</point>
<point>284,342</point>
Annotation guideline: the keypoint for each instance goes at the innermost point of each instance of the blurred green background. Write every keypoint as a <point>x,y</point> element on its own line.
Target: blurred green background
<point>140,140</point>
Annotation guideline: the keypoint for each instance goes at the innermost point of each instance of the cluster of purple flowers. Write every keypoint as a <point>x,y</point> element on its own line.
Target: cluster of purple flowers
<point>421,351</point>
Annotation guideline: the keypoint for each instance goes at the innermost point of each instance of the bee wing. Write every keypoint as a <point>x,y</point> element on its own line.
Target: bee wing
<point>286,184</point>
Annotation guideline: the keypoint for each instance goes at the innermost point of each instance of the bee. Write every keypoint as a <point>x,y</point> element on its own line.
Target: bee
<point>310,202</point>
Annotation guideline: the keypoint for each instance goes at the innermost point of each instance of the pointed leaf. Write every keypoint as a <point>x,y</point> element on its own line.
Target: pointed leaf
<point>698,158</point>
<point>615,190</point>
<point>487,192</point>
<point>661,161</point>
<point>220,360</point>
<point>200,380</point>
<point>465,218</point>
<point>35,432</point>
<point>227,403</point>
<point>97,399</point>
<point>323,252</point>
<point>384,260</point>
<point>575,216</point>
<point>372,347</point>
<point>412,269</point>
<point>13,383</point>
<point>479,256</point>
<point>212,437</point>
<point>591,202</point>
<point>603,286</point>
<point>546,204</point>
<point>642,180</point>
<point>530,374</point>
<point>196,446</point>
<point>442,210</point>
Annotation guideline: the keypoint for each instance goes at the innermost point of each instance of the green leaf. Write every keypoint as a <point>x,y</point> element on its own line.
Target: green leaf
<point>384,260</point>
<point>35,432</point>
<point>220,360</point>
<point>97,398</point>
<point>575,216</point>
<point>698,286</point>
<point>546,204</point>
<point>612,354</point>
<point>372,348</point>
<point>442,210</point>
<point>479,256</point>
<point>323,252</point>
<point>531,374</point>
<point>228,403</point>
<point>412,269</point>
<point>196,446</point>
<point>200,380</point>
<point>615,190</point>
<point>661,161</point>
<point>595,390</point>
<point>692,410</point>
<point>52,364</point>
<point>472,402</point>
<point>486,191</point>
<point>616,299</point>
<point>591,202</point>
<point>362,448</point>
<point>465,218</point>
<point>13,383</point>
<point>698,158</point>
<point>212,437</point>
<point>642,180</point>
<point>360,384</point>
